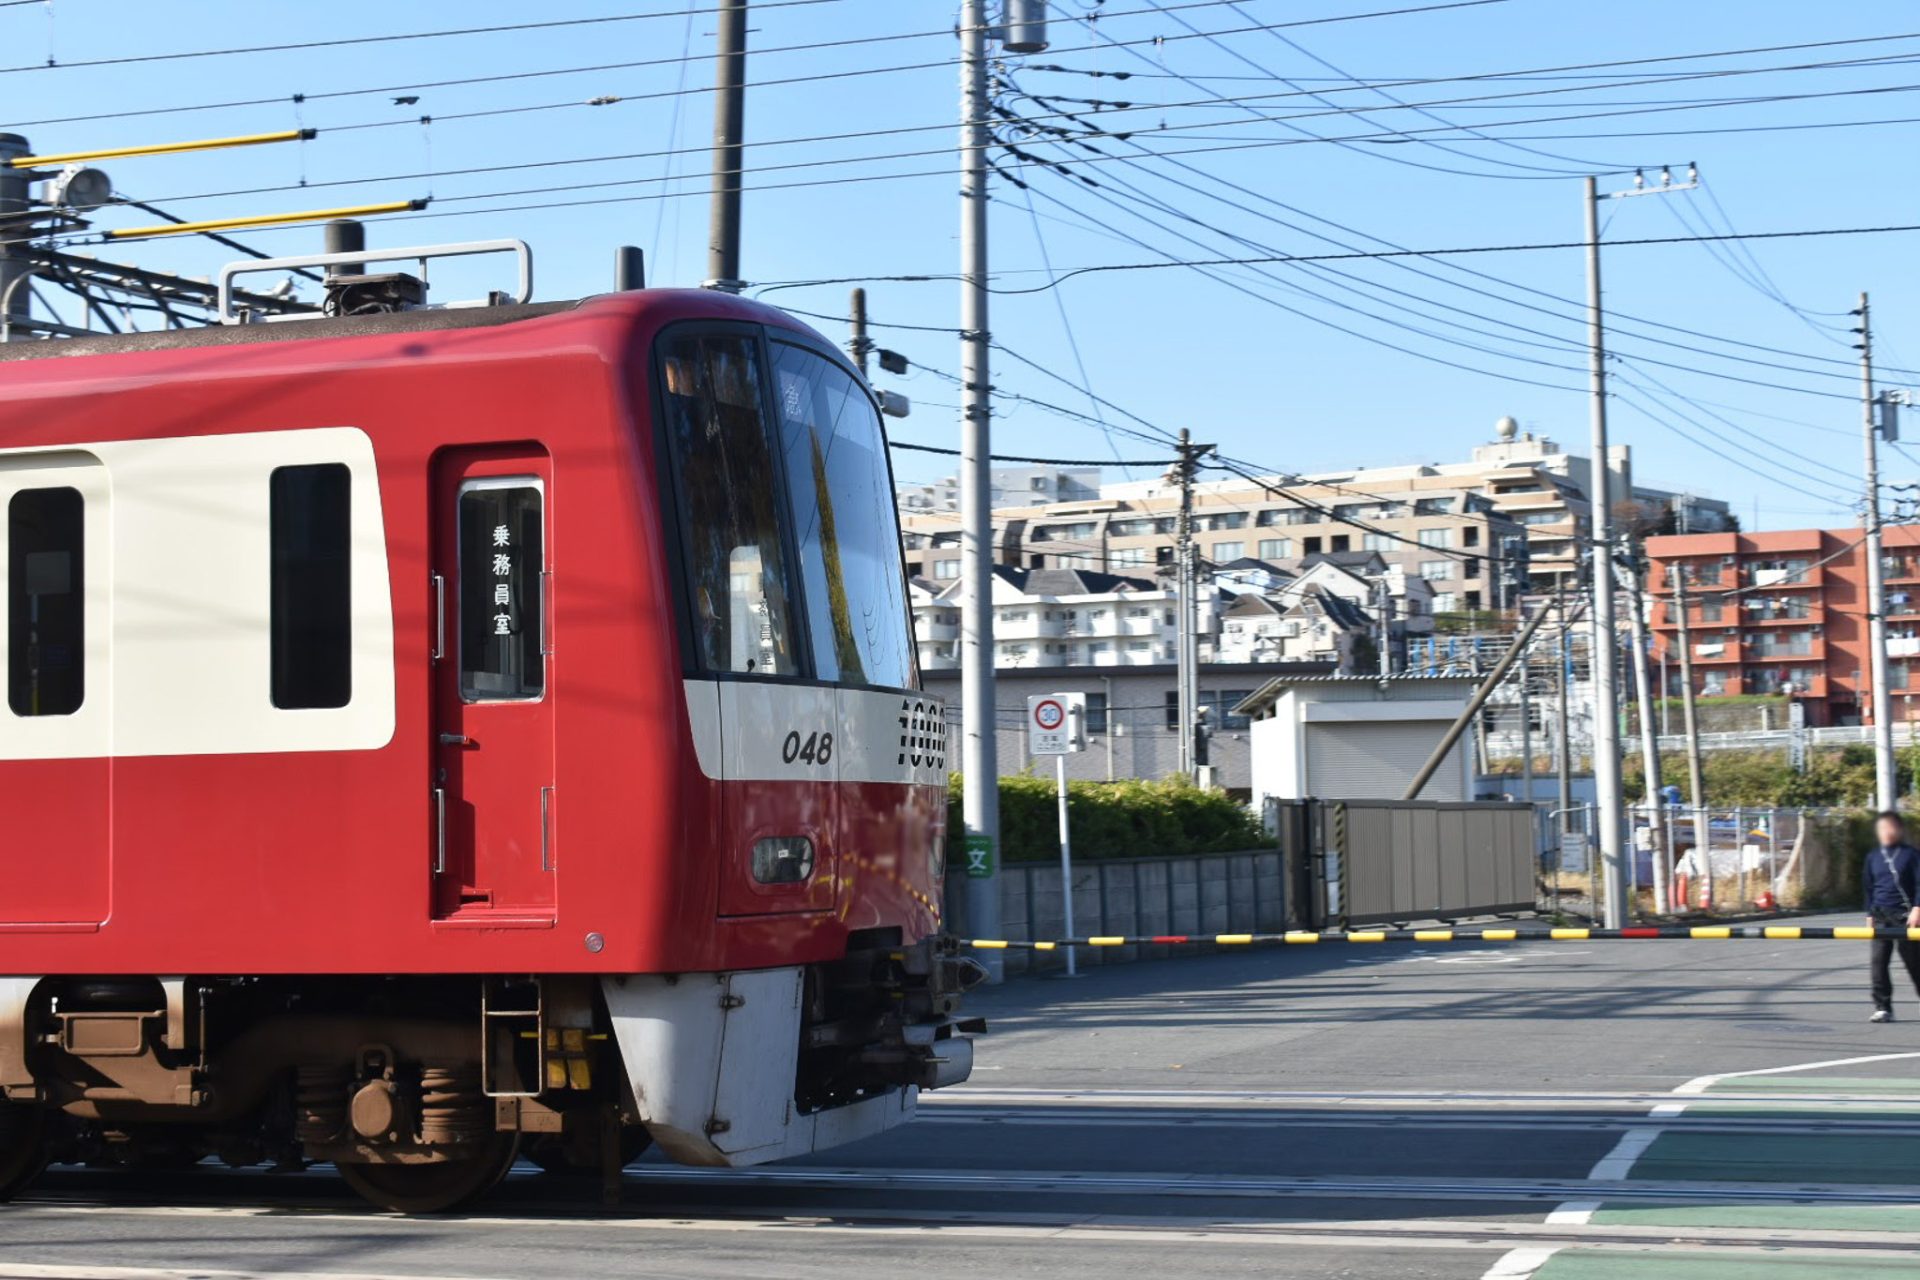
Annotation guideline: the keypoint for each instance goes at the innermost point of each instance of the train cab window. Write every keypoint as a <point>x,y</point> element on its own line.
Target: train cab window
<point>46,617</point>
<point>730,529</point>
<point>843,510</point>
<point>502,606</point>
<point>310,586</point>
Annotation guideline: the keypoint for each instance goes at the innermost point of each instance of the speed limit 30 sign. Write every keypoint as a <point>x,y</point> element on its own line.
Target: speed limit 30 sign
<point>1056,723</point>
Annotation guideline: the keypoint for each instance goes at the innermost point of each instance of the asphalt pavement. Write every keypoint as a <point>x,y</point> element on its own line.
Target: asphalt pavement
<point>1566,1111</point>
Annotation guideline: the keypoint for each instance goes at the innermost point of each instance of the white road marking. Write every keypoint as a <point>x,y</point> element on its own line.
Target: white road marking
<point>1632,1145</point>
<point>1519,1264</point>
<point>1619,1162</point>
<point>1700,1084</point>
<point>1574,1213</point>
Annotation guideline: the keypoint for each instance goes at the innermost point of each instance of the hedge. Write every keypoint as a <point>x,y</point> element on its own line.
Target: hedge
<point>1131,819</point>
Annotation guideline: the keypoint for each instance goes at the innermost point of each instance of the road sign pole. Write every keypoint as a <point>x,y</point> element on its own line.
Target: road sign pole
<point>1057,727</point>
<point>1066,860</point>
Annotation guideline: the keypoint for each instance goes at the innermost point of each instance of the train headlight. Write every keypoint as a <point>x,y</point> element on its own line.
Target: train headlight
<point>782,859</point>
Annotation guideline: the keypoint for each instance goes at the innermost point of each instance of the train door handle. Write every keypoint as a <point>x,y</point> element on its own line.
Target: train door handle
<point>546,828</point>
<point>455,740</point>
<point>439,830</point>
<point>439,617</point>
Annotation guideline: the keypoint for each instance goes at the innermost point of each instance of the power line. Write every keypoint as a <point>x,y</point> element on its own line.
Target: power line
<point>342,41</point>
<point>1257,195</point>
<point>1045,462</point>
<point>1396,102</point>
<point>654,62</point>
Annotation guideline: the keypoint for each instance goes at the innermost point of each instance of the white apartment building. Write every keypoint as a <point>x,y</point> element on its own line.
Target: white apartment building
<point>1061,618</point>
<point>1452,523</point>
<point>1009,486</point>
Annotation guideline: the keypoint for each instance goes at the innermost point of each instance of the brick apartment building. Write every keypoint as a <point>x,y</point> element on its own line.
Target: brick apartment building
<point>1786,612</point>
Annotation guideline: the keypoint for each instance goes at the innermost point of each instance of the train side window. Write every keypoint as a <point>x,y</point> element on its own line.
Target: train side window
<point>730,528</point>
<point>845,522</point>
<point>310,587</point>
<point>46,602</point>
<point>502,605</point>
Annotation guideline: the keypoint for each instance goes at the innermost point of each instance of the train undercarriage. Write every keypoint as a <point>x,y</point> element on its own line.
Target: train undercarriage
<point>423,1090</point>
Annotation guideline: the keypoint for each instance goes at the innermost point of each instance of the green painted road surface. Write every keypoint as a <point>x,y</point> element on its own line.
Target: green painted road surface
<point>1867,1161</point>
<point>1576,1265</point>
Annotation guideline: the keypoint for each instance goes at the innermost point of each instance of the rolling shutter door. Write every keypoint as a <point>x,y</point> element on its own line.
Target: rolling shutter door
<point>1362,761</point>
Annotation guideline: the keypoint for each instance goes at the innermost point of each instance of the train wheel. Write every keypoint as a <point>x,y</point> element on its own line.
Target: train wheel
<point>438,1187</point>
<point>23,1146</point>
<point>563,1160</point>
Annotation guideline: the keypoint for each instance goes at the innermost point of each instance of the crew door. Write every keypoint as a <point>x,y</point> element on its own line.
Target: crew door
<point>55,726</point>
<point>495,811</point>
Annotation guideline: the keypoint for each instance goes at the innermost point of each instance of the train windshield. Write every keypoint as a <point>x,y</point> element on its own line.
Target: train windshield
<point>828,599</point>
<point>730,527</point>
<point>844,522</point>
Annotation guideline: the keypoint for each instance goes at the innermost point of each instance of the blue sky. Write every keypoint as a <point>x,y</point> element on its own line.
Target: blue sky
<point>1245,359</point>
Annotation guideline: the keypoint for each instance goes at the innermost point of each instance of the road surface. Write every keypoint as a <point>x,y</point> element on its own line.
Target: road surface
<point>1565,1111</point>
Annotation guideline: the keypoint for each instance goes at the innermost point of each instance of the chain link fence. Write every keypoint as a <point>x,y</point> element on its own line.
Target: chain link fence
<point>1681,861</point>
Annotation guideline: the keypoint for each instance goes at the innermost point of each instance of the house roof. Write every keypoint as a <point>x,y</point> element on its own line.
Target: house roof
<point>1367,560</point>
<point>1342,611</point>
<point>1062,582</point>
<point>1269,693</point>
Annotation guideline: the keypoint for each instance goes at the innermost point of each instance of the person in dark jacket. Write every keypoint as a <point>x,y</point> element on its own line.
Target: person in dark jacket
<point>1891,876</point>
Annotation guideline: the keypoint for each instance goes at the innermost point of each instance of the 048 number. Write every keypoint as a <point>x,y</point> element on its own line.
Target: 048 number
<point>817,748</point>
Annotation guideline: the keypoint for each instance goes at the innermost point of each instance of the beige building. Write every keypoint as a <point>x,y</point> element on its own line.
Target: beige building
<point>1456,524</point>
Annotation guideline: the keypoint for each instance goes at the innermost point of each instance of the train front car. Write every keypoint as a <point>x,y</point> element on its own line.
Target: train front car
<point>449,735</point>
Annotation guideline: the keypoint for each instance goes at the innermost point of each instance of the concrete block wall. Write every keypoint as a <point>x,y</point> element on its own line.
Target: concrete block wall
<point>1197,894</point>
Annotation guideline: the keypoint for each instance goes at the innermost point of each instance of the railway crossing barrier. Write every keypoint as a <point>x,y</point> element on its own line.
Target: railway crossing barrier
<point>1668,933</point>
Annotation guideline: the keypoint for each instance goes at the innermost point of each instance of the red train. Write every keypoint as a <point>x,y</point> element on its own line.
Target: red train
<point>446,734</point>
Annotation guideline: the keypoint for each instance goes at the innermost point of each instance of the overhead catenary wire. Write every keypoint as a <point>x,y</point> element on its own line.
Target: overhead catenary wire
<point>945,32</point>
<point>1388,135</point>
<point>1042,462</point>
<point>1196,84</point>
<point>345,41</point>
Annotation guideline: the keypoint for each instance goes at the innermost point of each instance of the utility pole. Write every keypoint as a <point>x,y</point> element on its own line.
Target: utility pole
<point>980,764</point>
<point>1885,791</point>
<point>859,345</point>
<point>14,266</point>
<point>1649,737</point>
<point>729,117</point>
<point>1606,705</point>
<point>1383,608</point>
<point>1563,756</point>
<point>1186,647</point>
<point>1696,776</point>
<point>1526,735</point>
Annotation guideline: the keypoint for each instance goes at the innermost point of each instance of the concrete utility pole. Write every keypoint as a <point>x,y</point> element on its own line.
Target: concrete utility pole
<point>1187,589</point>
<point>14,265</point>
<point>1690,724</point>
<point>1186,650</point>
<point>1649,736</point>
<point>1606,704</point>
<point>1563,756</point>
<point>1526,732</point>
<point>729,123</point>
<point>1383,605</point>
<point>1885,791</point>
<point>859,345</point>
<point>979,755</point>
